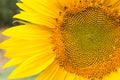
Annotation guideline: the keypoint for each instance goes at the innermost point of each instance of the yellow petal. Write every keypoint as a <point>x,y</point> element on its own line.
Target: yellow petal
<point>76,3</point>
<point>60,74</point>
<point>76,77</point>
<point>26,52</point>
<point>69,3</point>
<point>20,43</point>
<point>64,3</point>
<point>49,72</point>
<point>50,7</point>
<point>109,3</point>
<point>25,8</point>
<point>70,76</point>
<point>15,61</point>
<point>81,78</point>
<point>29,32</point>
<point>33,65</point>
<point>115,5</point>
<point>18,47</point>
<point>113,76</point>
<point>37,19</point>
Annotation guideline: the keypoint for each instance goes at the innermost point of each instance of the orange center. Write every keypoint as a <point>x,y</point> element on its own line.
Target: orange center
<point>88,43</point>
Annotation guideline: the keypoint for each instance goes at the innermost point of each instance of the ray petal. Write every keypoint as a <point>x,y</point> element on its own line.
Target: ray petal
<point>28,32</point>
<point>49,72</point>
<point>76,77</point>
<point>60,74</point>
<point>33,66</point>
<point>70,76</point>
<point>37,19</point>
<point>15,61</point>
<point>113,76</point>
<point>24,47</point>
<point>50,8</point>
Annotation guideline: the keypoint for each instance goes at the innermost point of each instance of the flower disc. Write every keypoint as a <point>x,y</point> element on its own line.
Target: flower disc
<point>90,38</point>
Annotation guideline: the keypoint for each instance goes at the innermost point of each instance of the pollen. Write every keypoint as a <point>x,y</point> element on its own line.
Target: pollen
<point>87,43</point>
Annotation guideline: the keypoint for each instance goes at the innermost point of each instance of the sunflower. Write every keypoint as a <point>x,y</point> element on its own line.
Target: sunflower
<point>65,40</point>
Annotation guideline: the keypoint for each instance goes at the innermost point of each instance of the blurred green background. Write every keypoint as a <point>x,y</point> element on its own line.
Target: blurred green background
<point>8,8</point>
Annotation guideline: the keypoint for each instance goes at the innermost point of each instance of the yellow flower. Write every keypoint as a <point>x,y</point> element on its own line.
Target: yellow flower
<point>65,40</point>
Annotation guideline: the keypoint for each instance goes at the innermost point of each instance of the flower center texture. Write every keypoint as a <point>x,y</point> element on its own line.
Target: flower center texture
<point>90,42</point>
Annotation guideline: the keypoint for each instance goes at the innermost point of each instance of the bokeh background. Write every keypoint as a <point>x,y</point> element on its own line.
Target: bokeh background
<point>8,8</point>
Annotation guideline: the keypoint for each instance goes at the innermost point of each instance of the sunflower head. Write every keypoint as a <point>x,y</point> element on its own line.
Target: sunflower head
<point>65,40</point>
